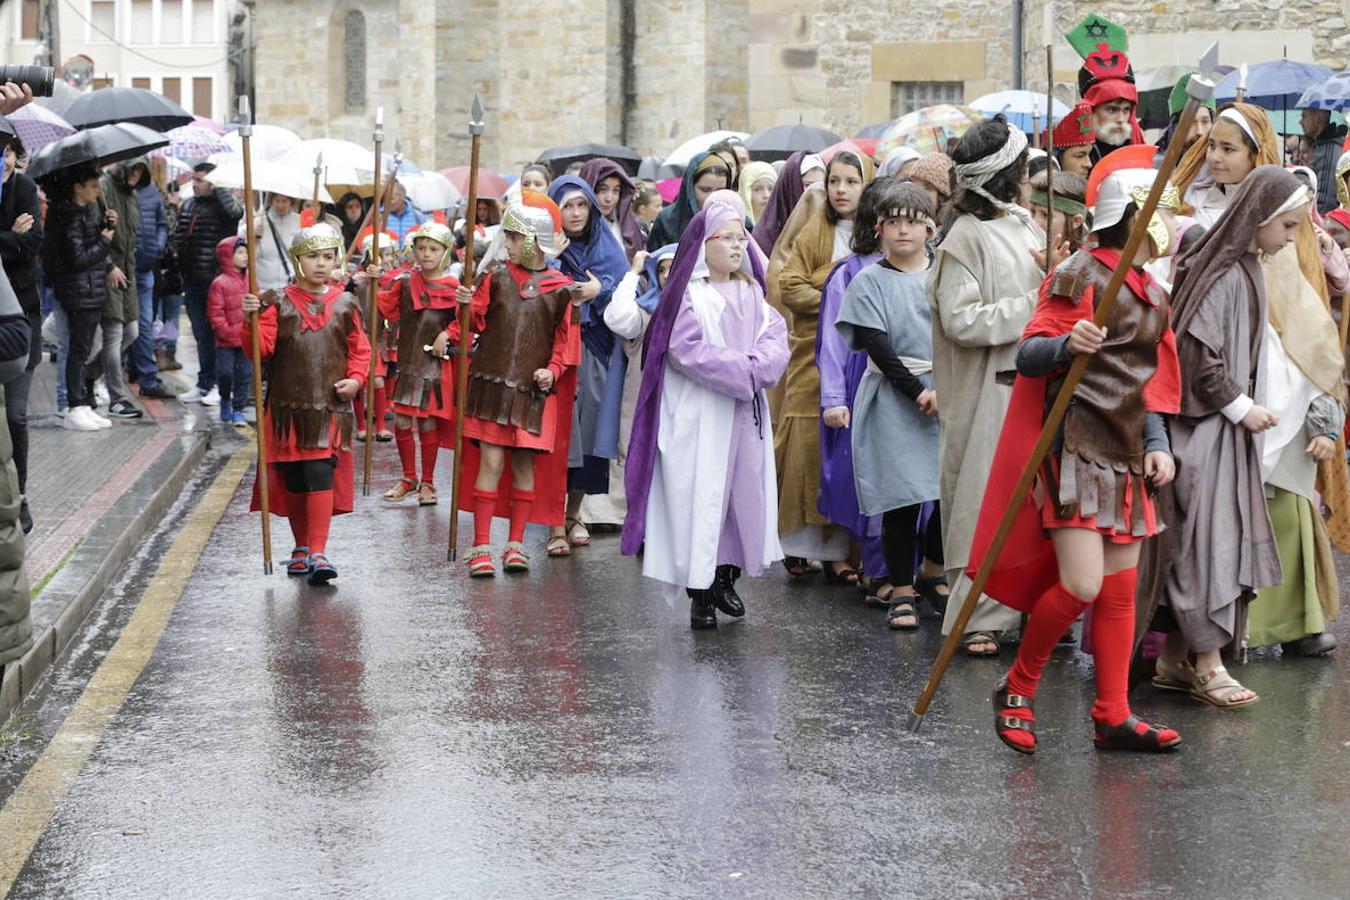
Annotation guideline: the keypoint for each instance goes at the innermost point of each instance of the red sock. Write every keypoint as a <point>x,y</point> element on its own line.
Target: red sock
<point>299,521</point>
<point>381,406</point>
<point>359,410</point>
<point>319,512</point>
<point>431,446</point>
<point>407,456</point>
<point>1112,644</point>
<point>522,502</point>
<point>484,503</point>
<point>1054,613</point>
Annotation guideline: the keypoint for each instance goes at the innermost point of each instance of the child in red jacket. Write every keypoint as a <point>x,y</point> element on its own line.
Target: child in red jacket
<point>225,310</point>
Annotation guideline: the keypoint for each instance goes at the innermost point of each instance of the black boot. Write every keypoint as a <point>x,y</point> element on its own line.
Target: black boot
<point>724,591</point>
<point>702,612</point>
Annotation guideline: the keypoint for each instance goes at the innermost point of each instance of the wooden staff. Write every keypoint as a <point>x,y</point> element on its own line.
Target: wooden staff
<point>245,139</point>
<point>1049,133</point>
<point>373,307</point>
<point>465,316</point>
<point>1199,90</point>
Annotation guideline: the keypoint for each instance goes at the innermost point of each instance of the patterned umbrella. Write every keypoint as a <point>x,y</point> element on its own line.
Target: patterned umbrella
<point>191,142</point>
<point>38,126</point>
<point>210,125</point>
<point>928,130</point>
<point>1334,94</point>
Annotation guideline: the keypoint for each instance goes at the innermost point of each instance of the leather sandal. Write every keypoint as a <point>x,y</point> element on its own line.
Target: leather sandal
<point>399,491</point>
<point>577,535</point>
<point>1135,735</point>
<point>1173,676</point>
<point>480,562</point>
<point>847,575</point>
<point>980,639</point>
<point>426,494</point>
<point>1218,689</point>
<point>927,586</point>
<point>882,595</point>
<point>557,546</point>
<point>902,616</point>
<point>1005,724</point>
<point>321,571</point>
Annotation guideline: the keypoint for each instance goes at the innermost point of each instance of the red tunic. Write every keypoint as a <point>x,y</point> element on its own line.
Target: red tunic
<point>1027,567</point>
<point>426,293</point>
<point>288,447</point>
<point>555,439</point>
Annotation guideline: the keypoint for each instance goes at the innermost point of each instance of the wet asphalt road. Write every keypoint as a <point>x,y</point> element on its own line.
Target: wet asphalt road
<point>410,734</point>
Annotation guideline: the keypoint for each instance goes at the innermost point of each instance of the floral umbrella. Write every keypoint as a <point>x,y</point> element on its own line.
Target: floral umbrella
<point>190,142</point>
<point>929,130</point>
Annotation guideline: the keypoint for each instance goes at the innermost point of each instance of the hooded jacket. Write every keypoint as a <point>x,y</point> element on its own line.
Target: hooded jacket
<point>152,235</point>
<point>116,194</point>
<point>75,256</point>
<point>202,223</point>
<point>225,299</point>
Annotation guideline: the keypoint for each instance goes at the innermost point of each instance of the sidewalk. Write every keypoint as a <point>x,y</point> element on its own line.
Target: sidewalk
<point>93,496</point>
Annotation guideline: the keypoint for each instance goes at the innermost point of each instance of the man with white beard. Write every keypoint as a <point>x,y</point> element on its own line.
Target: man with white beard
<point>1106,82</point>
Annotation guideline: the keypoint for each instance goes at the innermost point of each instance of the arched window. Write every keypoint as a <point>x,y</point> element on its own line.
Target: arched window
<point>354,61</point>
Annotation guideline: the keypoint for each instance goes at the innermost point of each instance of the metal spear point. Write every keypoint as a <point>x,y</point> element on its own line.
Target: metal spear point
<point>1198,90</point>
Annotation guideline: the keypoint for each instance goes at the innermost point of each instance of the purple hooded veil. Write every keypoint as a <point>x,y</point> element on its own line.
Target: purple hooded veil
<point>642,447</point>
<point>787,190</point>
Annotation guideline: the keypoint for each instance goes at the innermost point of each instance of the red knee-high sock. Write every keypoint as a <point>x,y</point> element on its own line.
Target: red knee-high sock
<point>1112,645</point>
<point>407,455</point>
<point>1055,611</point>
<point>484,503</point>
<point>381,406</point>
<point>319,512</point>
<point>521,504</point>
<point>359,410</point>
<point>431,446</point>
<point>296,513</point>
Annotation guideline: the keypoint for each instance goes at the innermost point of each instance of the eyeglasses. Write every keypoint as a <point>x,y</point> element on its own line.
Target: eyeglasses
<point>731,240</point>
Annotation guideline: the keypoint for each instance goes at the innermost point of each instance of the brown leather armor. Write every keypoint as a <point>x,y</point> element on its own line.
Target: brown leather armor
<point>419,373</point>
<point>517,340</point>
<point>302,371</point>
<point>1105,420</point>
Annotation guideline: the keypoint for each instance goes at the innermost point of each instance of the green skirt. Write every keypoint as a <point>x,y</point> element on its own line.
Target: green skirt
<point>1292,610</point>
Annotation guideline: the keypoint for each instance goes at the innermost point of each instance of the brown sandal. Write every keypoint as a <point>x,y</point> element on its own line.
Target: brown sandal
<point>426,494</point>
<point>982,639</point>
<point>399,491</point>
<point>582,539</point>
<point>557,546</point>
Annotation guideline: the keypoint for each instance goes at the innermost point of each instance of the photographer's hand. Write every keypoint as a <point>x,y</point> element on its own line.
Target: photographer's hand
<point>14,97</point>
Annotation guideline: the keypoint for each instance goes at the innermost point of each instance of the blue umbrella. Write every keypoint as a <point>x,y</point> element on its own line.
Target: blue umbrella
<point>1334,94</point>
<point>1019,108</point>
<point>1273,85</point>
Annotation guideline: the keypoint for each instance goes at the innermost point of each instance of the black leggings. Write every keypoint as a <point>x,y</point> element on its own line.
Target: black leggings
<point>83,326</point>
<point>16,400</point>
<point>308,476</point>
<point>901,540</point>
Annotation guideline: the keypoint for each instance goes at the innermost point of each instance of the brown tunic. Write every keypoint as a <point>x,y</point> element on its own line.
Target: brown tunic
<point>301,373</point>
<point>517,341</point>
<point>419,373</point>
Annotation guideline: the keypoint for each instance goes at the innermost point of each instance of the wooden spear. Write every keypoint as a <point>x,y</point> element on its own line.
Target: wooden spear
<point>250,235</point>
<point>1199,89</point>
<point>1049,38</point>
<point>373,306</point>
<point>465,319</point>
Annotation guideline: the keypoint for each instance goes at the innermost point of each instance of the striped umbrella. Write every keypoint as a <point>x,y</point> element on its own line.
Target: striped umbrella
<point>38,126</point>
<point>189,142</point>
<point>928,130</point>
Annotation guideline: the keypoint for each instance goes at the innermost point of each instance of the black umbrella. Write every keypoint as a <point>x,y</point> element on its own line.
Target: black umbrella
<point>559,158</point>
<point>102,145</point>
<point>782,141</point>
<point>650,167</point>
<point>873,131</point>
<point>121,104</point>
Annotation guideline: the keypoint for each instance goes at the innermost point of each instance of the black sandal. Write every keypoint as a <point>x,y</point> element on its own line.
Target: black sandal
<point>1128,736</point>
<point>927,586</point>
<point>877,598</point>
<point>902,608</point>
<point>796,566</point>
<point>1004,723</point>
<point>847,575</point>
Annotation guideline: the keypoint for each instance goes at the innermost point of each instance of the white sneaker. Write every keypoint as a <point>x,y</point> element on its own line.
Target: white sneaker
<point>193,396</point>
<point>77,420</point>
<point>101,396</point>
<point>98,420</point>
<point>212,398</point>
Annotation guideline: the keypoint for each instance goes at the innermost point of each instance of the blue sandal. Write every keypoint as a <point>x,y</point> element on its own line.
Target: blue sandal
<point>299,564</point>
<point>322,570</point>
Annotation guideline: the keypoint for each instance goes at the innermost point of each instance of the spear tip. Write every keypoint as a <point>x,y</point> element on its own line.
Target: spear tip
<point>476,115</point>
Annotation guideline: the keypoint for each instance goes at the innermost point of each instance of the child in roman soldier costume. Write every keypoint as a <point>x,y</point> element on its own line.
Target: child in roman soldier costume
<point>1079,531</point>
<point>422,302</point>
<point>390,270</point>
<point>317,355</point>
<point>522,384</point>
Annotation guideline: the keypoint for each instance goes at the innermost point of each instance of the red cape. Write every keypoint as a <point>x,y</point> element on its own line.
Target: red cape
<point>279,499</point>
<point>1026,568</point>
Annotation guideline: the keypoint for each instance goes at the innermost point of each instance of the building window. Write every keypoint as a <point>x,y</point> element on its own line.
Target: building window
<point>354,61</point>
<point>30,20</point>
<point>907,96</point>
<point>171,21</point>
<point>101,83</point>
<point>173,89</point>
<point>203,21</point>
<point>102,21</point>
<point>142,22</point>
<point>141,83</point>
<point>201,97</point>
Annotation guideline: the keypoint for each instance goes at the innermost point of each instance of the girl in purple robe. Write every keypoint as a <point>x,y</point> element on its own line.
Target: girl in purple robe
<point>702,489</point>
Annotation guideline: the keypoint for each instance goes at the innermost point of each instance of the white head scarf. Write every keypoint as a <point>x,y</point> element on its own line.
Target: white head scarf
<point>973,176</point>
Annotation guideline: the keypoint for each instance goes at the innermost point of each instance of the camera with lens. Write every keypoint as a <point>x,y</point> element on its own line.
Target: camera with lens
<point>40,79</point>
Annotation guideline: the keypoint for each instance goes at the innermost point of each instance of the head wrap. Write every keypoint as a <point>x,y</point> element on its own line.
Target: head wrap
<point>933,170</point>
<point>896,159</point>
<point>1297,197</point>
<point>754,172</point>
<point>1230,114</point>
<point>787,190</point>
<point>677,214</point>
<point>596,252</point>
<point>1074,130</point>
<point>729,198</point>
<point>1193,170</point>
<point>596,171</point>
<point>1306,173</point>
<point>973,176</point>
<point>811,161</point>
<point>642,449</point>
<point>652,267</point>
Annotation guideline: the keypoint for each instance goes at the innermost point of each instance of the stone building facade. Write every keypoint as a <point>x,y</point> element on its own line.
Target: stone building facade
<point>652,73</point>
